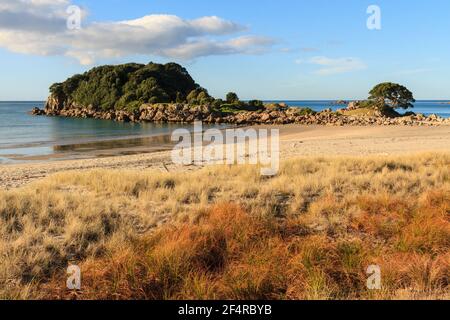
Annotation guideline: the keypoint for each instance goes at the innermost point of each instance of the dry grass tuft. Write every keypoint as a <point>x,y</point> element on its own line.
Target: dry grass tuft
<point>308,233</point>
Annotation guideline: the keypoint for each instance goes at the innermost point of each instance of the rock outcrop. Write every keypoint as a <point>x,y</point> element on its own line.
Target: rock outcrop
<point>272,114</point>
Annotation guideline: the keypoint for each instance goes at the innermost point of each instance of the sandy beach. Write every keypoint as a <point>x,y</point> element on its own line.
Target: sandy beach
<point>296,140</point>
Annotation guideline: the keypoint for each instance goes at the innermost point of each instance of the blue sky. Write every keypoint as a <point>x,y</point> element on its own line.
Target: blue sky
<point>286,49</point>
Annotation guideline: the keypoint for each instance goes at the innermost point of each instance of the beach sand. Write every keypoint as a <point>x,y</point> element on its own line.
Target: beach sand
<point>296,140</point>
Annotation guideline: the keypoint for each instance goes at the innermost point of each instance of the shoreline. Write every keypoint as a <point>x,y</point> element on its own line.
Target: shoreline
<point>267,114</point>
<point>295,141</point>
<point>100,148</point>
<point>94,149</point>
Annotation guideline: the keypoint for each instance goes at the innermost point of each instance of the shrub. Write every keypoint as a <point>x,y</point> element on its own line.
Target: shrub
<point>305,111</point>
<point>232,98</point>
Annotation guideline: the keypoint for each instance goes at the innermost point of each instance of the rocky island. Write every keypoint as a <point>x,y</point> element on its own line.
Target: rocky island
<point>167,93</point>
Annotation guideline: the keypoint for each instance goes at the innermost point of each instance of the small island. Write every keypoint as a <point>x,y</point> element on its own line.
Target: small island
<point>168,94</point>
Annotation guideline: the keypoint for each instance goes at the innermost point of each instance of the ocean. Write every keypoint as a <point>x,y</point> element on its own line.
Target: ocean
<point>427,107</point>
<point>27,138</point>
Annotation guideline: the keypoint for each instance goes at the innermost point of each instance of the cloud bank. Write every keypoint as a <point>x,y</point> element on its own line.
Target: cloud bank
<point>39,27</point>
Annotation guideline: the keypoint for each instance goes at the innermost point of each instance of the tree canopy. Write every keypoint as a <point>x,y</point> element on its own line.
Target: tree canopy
<point>128,86</point>
<point>232,97</point>
<point>393,95</point>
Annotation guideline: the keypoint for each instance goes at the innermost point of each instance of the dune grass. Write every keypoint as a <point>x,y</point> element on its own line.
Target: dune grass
<point>226,232</point>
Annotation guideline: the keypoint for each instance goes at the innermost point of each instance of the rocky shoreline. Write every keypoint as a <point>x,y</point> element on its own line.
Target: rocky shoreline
<point>273,114</point>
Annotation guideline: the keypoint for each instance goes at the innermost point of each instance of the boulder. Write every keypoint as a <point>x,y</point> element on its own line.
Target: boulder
<point>276,113</point>
<point>160,116</point>
<point>55,103</point>
<point>265,117</point>
<point>353,105</point>
<point>37,112</point>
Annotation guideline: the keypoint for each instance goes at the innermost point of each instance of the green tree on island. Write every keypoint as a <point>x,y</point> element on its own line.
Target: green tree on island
<point>232,97</point>
<point>393,95</point>
<point>199,96</point>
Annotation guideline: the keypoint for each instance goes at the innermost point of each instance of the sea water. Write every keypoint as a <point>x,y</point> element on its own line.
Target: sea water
<point>24,135</point>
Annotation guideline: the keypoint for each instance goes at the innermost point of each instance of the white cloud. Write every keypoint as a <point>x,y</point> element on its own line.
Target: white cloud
<point>331,66</point>
<point>33,15</point>
<point>39,27</point>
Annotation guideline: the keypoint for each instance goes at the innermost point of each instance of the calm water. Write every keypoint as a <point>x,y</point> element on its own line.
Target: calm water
<point>427,107</point>
<point>26,137</point>
<point>23,137</point>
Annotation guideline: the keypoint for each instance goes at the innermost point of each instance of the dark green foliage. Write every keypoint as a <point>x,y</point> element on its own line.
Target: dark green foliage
<point>128,86</point>
<point>233,104</point>
<point>217,104</point>
<point>199,96</point>
<point>255,105</point>
<point>232,97</point>
<point>305,111</point>
<point>393,95</point>
<point>240,106</point>
<point>230,108</point>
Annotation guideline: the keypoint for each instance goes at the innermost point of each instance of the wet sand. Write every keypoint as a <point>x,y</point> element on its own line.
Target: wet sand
<point>98,149</point>
<point>296,140</point>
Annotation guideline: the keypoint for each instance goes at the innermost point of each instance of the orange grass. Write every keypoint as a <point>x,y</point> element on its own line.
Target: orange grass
<point>227,254</point>
<point>228,233</point>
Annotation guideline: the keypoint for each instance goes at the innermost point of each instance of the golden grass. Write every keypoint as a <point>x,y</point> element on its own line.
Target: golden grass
<point>360,112</point>
<point>228,233</point>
